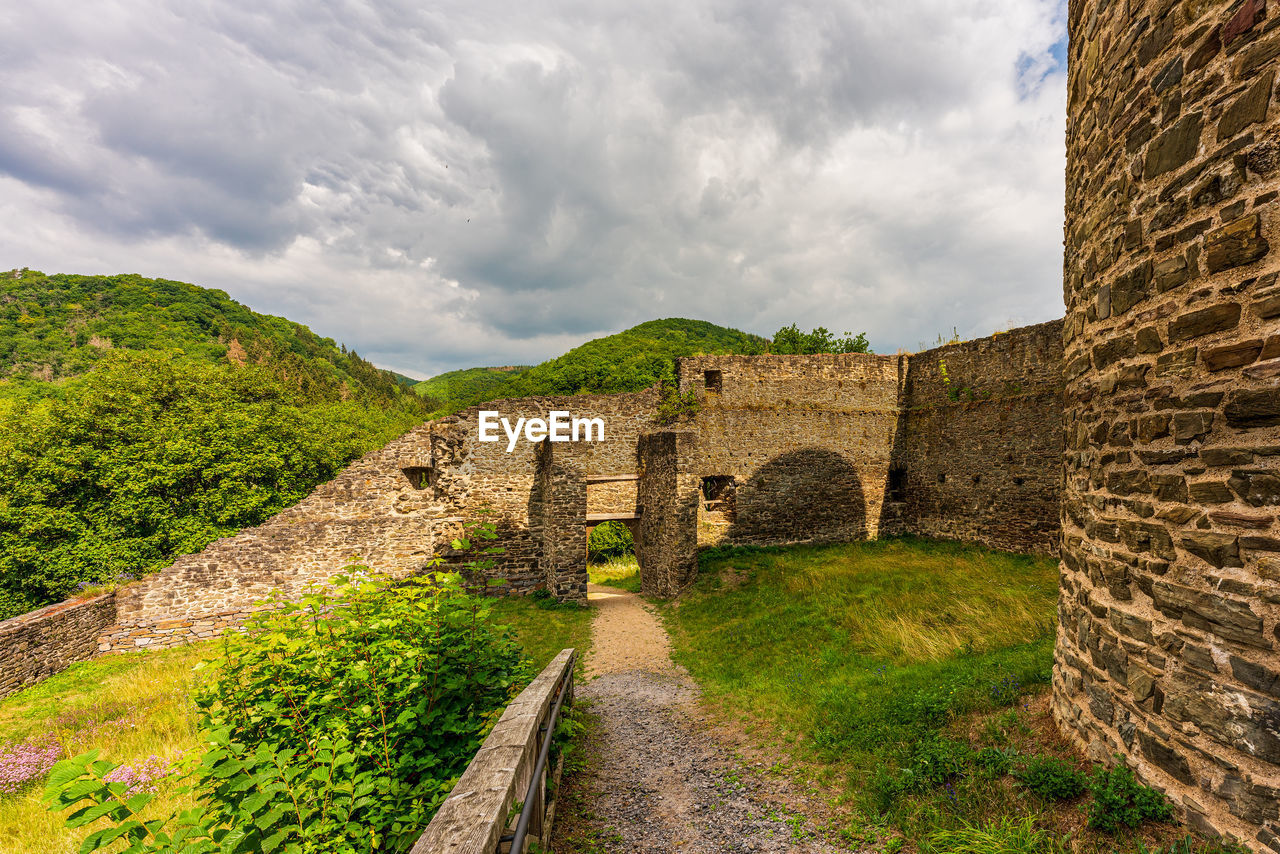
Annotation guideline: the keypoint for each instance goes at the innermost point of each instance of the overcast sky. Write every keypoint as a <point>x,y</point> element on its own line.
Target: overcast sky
<point>484,182</point>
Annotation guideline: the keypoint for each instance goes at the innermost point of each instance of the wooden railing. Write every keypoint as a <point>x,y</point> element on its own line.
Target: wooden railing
<point>509,768</point>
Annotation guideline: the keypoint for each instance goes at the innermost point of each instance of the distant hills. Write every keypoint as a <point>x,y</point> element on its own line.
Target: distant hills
<point>54,327</point>
<point>631,360</point>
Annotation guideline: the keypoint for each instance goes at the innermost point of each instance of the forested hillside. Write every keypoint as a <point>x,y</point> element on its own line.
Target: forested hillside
<point>141,419</point>
<point>628,361</point>
<point>459,389</point>
<point>59,326</point>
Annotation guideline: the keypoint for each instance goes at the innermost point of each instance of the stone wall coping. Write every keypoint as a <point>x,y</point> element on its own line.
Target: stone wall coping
<point>21,620</point>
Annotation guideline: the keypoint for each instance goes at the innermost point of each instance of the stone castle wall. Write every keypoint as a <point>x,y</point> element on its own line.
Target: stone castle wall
<point>39,644</point>
<point>979,453</point>
<point>670,494</point>
<point>805,440</point>
<point>394,510</point>
<point>1170,603</point>
<point>483,481</point>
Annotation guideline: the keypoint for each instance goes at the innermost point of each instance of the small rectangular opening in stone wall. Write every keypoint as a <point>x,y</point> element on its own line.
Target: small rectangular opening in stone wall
<point>942,477</point>
<point>420,477</point>
<point>897,484</point>
<point>714,380</point>
<point>719,495</point>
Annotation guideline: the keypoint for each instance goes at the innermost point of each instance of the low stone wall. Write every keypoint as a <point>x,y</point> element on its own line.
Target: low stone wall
<point>39,644</point>
<point>479,809</point>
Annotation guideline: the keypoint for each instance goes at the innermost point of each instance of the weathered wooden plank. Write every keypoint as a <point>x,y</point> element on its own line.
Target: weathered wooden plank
<point>476,813</point>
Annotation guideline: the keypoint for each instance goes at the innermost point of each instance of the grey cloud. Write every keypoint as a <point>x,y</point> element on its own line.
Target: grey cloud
<point>488,181</point>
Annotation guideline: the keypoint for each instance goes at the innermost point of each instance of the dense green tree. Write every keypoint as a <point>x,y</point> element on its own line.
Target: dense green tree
<point>790,340</point>
<point>155,455</point>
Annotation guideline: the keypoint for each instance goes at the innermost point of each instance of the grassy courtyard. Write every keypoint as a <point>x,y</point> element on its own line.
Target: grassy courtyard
<point>908,680</point>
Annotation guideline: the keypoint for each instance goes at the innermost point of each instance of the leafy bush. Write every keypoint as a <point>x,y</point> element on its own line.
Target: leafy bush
<point>338,723</point>
<point>1051,778</point>
<point>1119,800</point>
<point>996,761</point>
<point>610,540</point>
<point>1006,836</point>
<point>674,404</point>
<point>935,761</point>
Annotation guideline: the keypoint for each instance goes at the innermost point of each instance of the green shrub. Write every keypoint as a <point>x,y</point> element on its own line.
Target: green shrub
<point>1119,800</point>
<point>674,404</point>
<point>935,761</point>
<point>610,540</point>
<point>1051,779</point>
<point>996,761</point>
<point>338,723</point>
<point>1007,836</point>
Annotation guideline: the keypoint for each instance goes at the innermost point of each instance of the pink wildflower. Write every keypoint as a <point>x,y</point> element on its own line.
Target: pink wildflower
<point>24,762</point>
<point>140,776</point>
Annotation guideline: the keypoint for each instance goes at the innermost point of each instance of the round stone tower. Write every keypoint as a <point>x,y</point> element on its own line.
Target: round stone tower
<point>1170,606</point>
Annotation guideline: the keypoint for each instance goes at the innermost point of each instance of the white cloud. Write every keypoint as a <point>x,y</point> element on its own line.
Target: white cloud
<point>487,182</point>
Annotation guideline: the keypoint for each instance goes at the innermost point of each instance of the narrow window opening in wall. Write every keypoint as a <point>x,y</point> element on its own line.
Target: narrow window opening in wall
<point>421,477</point>
<point>714,380</point>
<point>977,479</point>
<point>1018,481</point>
<point>942,477</point>
<point>897,484</point>
<point>719,496</point>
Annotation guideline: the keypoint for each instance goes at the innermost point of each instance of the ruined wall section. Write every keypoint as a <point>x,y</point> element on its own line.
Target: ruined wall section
<point>670,492</point>
<point>979,454</point>
<point>485,482</point>
<point>1170,605</point>
<point>558,520</point>
<point>795,448</point>
<point>371,514</point>
<point>393,510</point>
<point>39,644</point>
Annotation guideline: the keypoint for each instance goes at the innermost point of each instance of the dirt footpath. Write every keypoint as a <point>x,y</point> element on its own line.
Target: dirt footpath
<point>655,780</point>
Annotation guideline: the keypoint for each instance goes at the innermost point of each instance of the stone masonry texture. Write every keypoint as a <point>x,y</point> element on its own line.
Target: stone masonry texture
<point>45,642</point>
<point>1170,591</point>
<point>979,448</point>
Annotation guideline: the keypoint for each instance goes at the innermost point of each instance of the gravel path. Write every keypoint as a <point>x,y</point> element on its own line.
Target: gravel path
<point>656,780</point>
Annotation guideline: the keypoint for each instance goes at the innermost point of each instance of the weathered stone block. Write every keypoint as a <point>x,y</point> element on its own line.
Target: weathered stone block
<point>1254,408</point>
<point>1218,318</point>
<point>1250,108</point>
<point>1233,355</point>
<point>1163,756</point>
<point>1259,488</point>
<point>1175,147</point>
<point>1131,288</point>
<point>1236,244</point>
<point>1219,550</point>
<point>1190,426</point>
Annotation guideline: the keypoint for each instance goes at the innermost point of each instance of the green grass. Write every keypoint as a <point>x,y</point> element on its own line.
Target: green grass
<point>908,675</point>
<point>622,573</point>
<point>870,645</point>
<point>131,706</point>
<point>544,628</point>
